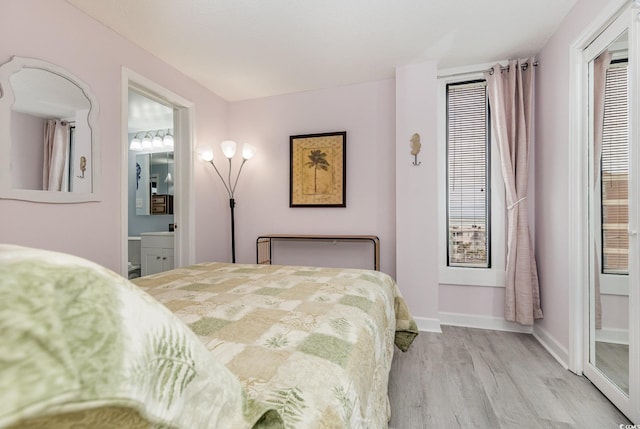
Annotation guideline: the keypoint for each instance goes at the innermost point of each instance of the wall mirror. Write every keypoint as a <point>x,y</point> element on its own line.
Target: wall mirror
<point>48,134</point>
<point>154,183</point>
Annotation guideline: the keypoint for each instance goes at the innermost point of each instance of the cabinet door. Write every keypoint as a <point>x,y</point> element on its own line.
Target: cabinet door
<point>167,259</point>
<point>152,261</point>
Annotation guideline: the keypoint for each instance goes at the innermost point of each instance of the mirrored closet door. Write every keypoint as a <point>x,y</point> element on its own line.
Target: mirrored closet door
<point>611,352</point>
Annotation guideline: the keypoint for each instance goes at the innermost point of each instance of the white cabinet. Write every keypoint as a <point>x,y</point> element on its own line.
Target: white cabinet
<point>156,252</point>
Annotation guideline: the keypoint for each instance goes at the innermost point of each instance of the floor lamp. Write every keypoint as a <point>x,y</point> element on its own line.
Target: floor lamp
<point>229,150</point>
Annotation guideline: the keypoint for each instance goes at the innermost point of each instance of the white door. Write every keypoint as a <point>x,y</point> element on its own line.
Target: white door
<point>611,322</point>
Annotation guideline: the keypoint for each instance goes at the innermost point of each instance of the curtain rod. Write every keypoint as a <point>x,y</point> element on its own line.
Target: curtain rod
<point>503,68</point>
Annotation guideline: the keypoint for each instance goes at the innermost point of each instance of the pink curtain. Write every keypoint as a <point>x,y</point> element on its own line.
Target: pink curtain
<point>511,102</point>
<point>600,66</point>
<point>56,156</point>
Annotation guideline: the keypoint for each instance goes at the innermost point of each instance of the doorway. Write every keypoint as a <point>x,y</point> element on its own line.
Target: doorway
<point>605,144</point>
<point>157,185</point>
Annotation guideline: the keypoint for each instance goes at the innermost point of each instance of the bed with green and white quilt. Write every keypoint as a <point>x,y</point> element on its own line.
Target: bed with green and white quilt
<point>232,346</point>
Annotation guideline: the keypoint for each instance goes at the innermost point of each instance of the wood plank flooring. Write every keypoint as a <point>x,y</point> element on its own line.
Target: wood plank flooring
<point>473,378</point>
<point>613,361</point>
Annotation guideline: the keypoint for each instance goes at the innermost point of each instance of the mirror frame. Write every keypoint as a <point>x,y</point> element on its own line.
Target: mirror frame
<point>7,99</point>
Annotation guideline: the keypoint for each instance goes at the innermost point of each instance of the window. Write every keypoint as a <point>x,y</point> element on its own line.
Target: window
<point>468,175</point>
<point>614,172</point>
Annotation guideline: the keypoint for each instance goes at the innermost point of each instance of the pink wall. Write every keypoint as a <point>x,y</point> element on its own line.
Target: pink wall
<point>366,113</point>
<point>615,312</point>
<point>386,195</point>
<point>54,31</point>
<point>472,300</point>
<point>417,191</point>
<point>27,131</point>
<point>552,164</point>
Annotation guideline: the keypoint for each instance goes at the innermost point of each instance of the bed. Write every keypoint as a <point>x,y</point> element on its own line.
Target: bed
<point>232,346</point>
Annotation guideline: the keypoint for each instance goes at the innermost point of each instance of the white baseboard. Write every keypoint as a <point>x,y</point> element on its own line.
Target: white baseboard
<point>612,335</point>
<point>482,322</point>
<point>555,349</point>
<point>426,324</point>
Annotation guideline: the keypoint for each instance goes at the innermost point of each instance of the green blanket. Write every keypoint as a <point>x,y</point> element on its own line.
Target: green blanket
<point>83,347</point>
<point>316,344</point>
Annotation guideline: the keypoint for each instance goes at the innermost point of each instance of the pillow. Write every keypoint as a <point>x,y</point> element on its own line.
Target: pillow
<point>79,337</point>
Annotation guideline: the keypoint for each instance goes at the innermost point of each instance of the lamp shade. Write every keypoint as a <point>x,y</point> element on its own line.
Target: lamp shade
<point>136,144</point>
<point>228,148</point>
<point>157,140</point>
<point>168,140</point>
<point>248,151</point>
<point>205,153</point>
<point>146,142</point>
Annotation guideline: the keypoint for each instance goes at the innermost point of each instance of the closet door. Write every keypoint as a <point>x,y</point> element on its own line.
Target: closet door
<point>611,347</point>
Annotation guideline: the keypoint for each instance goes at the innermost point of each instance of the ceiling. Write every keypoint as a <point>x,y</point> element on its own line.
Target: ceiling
<point>44,94</point>
<point>243,49</point>
<point>146,114</point>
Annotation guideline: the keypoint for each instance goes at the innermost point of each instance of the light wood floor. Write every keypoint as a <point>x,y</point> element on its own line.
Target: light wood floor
<point>472,378</point>
<point>613,361</point>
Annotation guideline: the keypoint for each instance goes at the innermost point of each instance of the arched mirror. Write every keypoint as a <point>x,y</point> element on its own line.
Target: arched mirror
<point>48,134</point>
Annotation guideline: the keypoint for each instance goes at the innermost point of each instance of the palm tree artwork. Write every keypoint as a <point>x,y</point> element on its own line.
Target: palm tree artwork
<point>317,160</point>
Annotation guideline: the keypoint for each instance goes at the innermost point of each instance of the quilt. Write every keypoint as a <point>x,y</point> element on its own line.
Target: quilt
<point>83,347</point>
<point>313,344</point>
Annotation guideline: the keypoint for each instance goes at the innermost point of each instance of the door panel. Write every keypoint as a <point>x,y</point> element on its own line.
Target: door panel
<point>610,351</point>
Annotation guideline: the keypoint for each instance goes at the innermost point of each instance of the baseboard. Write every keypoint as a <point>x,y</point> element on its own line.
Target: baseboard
<point>555,349</point>
<point>426,324</point>
<point>547,341</point>
<point>612,335</point>
<point>482,322</point>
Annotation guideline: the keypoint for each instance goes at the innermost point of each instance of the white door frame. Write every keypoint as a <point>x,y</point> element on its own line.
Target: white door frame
<point>578,219</point>
<point>184,201</point>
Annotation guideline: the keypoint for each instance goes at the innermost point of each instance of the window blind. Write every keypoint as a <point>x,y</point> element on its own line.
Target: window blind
<point>614,172</point>
<point>467,175</point>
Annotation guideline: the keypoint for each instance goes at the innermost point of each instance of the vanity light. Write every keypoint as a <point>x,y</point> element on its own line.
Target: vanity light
<point>157,140</point>
<point>135,144</point>
<point>146,142</point>
<point>168,139</point>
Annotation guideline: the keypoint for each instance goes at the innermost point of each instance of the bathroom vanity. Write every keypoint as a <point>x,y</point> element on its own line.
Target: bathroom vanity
<point>157,251</point>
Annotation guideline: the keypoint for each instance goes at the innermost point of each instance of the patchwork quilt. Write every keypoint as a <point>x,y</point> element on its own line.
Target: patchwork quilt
<point>82,347</point>
<point>314,344</point>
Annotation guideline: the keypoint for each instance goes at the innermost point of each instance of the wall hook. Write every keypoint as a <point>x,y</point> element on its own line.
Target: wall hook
<point>415,148</point>
<point>83,166</point>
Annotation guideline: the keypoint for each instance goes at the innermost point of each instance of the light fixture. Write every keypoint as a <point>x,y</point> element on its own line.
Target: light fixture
<point>135,144</point>
<point>168,180</point>
<point>153,141</point>
<point>157,140</point>
<point>168,139</point>
<point>229,149</point>
<point>248,151</point>
<point>146,141</point>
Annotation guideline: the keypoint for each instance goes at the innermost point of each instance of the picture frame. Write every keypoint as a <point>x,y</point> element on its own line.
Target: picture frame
<point>318,170</point>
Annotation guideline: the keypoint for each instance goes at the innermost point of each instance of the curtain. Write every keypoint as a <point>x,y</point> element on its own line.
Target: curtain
<point>511,102</point>
<point>600,66</point>
<point>56,156</point>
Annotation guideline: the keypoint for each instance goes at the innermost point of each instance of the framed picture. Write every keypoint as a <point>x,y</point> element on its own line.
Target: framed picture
<point>318,170</point>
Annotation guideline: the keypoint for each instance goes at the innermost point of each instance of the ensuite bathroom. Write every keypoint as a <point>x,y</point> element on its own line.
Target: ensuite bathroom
<point>151,185</point>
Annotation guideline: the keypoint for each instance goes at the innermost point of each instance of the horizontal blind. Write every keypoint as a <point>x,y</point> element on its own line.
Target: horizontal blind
<point>467,175</point>
<point>614,172</point>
